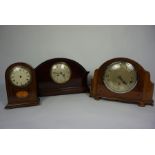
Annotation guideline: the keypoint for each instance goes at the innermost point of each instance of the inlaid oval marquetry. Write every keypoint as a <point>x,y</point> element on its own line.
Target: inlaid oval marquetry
<point>22,94</point>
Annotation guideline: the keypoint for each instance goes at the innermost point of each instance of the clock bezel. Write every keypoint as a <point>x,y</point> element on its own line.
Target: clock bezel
<point>61,62</point>
<point>22,66</point>
<point>108,87</point>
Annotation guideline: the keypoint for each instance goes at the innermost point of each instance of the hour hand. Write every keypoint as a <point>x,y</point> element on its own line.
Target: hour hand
<point>57,74</point>
<point>120,78</point>
<point>62,74</point>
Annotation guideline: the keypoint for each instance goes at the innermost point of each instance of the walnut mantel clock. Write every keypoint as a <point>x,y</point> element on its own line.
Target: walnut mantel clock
<point>61,76</point>
<point>21,86</point>
<point>122,79</point>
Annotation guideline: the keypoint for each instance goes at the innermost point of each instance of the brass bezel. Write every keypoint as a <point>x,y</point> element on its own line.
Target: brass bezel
<point>65,65</point>
<point>24,67</point>
<point>119,92</point>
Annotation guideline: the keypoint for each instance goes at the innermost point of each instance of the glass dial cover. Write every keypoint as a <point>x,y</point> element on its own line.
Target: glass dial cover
<point>20,76</point>
<point>60,72</point>
<point>120,77</point>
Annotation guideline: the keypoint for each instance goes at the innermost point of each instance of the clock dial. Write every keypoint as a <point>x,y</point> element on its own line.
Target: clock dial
<point>20,76</point>
<point>60,73</point>
<point>120,77</point>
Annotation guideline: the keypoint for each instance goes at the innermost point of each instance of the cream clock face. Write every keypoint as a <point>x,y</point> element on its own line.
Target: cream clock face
<point>60,73</point>
<point>120,77</point>
<point>20,76</point>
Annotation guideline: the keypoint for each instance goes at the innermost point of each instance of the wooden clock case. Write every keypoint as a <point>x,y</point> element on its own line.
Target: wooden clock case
<point>31,89</point>
<point>142,93</point>
<point>76,84</point>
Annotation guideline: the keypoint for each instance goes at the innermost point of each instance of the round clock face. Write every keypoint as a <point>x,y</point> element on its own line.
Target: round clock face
<point>20,76</point>
<point>60,73</point>
<point>120,77</point>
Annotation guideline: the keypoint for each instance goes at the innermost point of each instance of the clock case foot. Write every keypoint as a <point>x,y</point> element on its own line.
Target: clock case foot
<point>19,105</point>
<point>56,92</point>
<point>139,103</point>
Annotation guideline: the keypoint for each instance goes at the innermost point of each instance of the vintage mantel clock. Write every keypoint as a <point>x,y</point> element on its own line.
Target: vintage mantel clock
<point>122,79</point>
<point>61,76</point>
<point>21,86</point>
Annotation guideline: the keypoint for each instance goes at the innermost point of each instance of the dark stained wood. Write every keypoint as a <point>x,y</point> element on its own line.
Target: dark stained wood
<point>76,84</point>
<point>142,94</point>
<point>28,93</point>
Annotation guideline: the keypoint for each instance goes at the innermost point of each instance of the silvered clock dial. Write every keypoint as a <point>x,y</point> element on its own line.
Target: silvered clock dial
<point>60,72</point>
<point>120,77</point>
<point>20,76</point>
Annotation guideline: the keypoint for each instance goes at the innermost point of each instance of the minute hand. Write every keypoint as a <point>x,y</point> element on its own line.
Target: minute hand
<point>119,77</point>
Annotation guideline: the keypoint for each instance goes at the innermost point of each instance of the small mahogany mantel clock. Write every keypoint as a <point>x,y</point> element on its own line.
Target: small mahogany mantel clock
<point>122,79</point>
<point>61,76</point>
<point>21,86</point>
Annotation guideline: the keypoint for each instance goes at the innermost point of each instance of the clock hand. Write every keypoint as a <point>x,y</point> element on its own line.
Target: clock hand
<point>57,74</point>
<point>120,78</point>
<point>62,74</point>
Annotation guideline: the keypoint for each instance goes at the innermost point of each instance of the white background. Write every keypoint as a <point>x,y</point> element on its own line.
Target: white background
<point>91,46</point>
<point>77,141</point>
